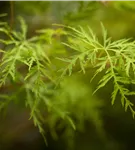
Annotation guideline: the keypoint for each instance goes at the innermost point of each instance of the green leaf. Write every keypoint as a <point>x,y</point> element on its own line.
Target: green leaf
<point>104,80</point>
<point>114,93</point>
<point>71,122</point>
<point>23,28</point>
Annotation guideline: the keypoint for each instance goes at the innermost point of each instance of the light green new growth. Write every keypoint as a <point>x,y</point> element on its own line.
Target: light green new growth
<point>26,52</point>
<point>28,64</point>
<point>25,63</point>
<point>115,58</point>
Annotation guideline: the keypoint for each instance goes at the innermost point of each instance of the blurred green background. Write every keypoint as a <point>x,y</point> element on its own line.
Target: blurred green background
<point>100,126</point>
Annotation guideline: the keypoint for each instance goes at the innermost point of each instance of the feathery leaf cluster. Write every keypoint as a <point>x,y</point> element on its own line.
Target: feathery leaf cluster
<point>28,64</point>
<point>115,58</point>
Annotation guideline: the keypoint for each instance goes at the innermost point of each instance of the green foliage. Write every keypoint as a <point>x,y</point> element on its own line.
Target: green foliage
<point>30,65</point>
<point>116,58</point>
<point>28,52</point>
<point>26,64</point>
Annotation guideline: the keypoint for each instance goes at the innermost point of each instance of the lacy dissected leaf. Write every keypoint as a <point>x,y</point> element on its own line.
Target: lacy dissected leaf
<point>116,58</point>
